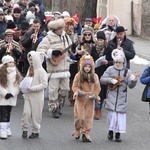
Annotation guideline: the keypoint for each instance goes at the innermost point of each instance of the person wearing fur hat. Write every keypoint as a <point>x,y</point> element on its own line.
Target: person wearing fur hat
<point>86,88</point>
<point>87,40</point>
<point>121,42</point>
<point>10,79</point>
<point>118,78</point>
<point>10,47</point>
<point>33,95</point>
<point>58,63</point>
<point>98,51</point>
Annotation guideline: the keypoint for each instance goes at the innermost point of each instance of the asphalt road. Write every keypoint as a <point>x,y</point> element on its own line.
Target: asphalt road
<point>56,133</point>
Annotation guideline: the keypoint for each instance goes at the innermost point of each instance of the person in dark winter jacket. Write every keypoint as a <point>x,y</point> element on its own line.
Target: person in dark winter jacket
<point>118,78</point>
<point>17,16</point>
<point>121,42</point>
<point>101,50</point>
<point>30,41</point>
<point>3,23</point>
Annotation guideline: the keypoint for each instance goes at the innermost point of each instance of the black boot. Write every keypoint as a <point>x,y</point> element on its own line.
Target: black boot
<point>60,111</point>
<point>34,135</point>
<point>24,134</point>
<point>118,139</point>
<point>110,135</point>
<point>84,139</point>
<point>56,113</point>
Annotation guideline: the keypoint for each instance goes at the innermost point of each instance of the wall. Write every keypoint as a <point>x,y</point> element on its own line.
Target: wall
<point>145,30</point>
<point>122,9</point>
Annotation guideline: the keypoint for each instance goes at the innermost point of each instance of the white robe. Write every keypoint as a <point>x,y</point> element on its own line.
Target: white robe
<point>116,121</point>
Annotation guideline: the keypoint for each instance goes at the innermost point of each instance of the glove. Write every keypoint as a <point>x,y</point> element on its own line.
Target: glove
<point>133,77</point>
<point>8,95</point>
<point>73,47</point>
<point>92,97</point>
<point>114,81</point>
<point>56,52</point>
<point>81,93</point>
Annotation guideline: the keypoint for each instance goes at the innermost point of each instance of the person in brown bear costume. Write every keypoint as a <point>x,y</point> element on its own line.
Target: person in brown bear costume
<point>86,88</point>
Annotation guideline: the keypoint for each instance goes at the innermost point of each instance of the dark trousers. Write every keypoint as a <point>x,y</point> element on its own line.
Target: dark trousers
<point>5,112</point>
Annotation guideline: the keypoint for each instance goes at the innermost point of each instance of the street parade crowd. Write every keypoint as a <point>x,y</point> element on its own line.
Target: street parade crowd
<point>51,55</point>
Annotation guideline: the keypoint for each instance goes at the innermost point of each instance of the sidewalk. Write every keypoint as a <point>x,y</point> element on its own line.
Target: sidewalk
<point>142,47</point>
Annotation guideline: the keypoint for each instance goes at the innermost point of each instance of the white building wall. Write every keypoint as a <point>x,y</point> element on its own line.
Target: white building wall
<point>122,9</point>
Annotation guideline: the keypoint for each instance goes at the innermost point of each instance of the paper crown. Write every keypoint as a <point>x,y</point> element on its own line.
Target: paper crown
<point>76,18</point>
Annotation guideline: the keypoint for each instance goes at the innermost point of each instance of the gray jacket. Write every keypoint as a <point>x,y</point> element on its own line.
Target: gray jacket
<point>117,98</point>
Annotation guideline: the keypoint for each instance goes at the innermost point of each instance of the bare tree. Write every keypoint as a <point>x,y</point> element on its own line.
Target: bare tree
<point>89,8</point>
<point>85,8</point>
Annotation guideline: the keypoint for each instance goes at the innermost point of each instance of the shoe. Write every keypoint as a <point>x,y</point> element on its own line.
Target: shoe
<point>60,112</point>
<point>76,134</point>
<point>56,114</point>
<point>34,135</point>
<point>3,129</point>
<point>97,114</point>
<point>24,134</point>
<point>110,135</point>
<point>84,139</point>
<point>117,136</point>
<point>8,130</point>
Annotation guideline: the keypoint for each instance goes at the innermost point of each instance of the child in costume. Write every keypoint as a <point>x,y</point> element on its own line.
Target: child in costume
<point>34,95</point>
<point>118,78</point>
<point>10,79</point>
<point>86,88</point>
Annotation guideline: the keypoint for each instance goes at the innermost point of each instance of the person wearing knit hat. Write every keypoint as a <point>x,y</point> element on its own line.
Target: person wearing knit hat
<point>11,24</point>
<point>65,14</point>
<point>54,45</point>
<point>17,10</point>
<point>31,4</point>
<point>6,59</point>
<point>56,14</point>
<point>88,22</point>
<point>86,88</point>
<point>18,16</point>
<point>99,51</point>
<point>10,79</point>
<point>118,78</point>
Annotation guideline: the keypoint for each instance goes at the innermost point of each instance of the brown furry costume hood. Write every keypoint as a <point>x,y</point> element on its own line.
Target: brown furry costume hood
<point>87,59</point>
<point>68,22</point>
